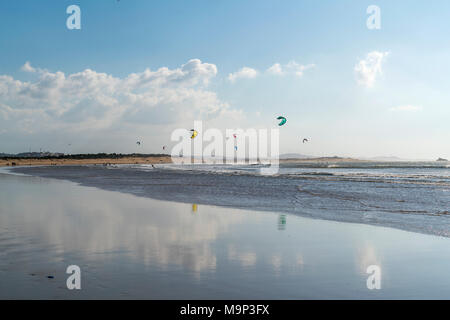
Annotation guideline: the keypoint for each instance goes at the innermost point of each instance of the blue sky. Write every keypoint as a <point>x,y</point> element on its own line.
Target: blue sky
<point>399,108</point>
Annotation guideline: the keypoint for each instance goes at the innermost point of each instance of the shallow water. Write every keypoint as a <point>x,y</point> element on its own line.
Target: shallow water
<point>409,196</point>
<point>137,247</point>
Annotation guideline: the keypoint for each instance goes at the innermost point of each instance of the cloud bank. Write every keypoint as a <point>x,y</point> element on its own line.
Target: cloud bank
<point>90,100</point>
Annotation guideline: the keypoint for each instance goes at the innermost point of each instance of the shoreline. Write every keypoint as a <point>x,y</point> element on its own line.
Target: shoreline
<point>11,162</point>
<point>129,159</point>
<point>107,159</point>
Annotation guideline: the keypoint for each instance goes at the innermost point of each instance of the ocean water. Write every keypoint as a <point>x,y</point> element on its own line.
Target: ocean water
<point>413,196</point>
<point>135,247</point>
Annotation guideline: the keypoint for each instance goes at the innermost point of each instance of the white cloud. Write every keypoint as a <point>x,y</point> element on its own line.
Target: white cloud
<point>290,68</point>
<point>27,67</point>
<point>275,69</point>
<point>245,72</point>
<point>89,100</point>
<point>367,70</point>
<point>406,108</point>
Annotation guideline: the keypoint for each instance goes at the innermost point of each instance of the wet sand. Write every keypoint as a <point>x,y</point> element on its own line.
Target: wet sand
<point>135,247</point>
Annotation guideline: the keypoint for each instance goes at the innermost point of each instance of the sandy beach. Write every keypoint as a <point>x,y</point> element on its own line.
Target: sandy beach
<point>141,160</point>
<point>5,162</point>
<point>73,161</point>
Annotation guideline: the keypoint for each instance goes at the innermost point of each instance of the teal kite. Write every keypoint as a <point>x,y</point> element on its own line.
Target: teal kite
<point>283,120</point>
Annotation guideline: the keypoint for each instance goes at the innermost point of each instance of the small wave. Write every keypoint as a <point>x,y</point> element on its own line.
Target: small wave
<point>434,177</point>
<point>368,165</point>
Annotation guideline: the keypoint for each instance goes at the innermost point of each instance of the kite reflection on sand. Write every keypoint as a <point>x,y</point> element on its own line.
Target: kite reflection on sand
<point>282,222</point>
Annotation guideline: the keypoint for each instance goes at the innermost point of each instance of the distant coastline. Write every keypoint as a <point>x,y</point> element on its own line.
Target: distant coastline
<point>136,158</point>
<point>83,159</point>
<point>323,159</point>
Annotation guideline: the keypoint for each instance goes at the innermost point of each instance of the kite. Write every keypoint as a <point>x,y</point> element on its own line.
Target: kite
<point>138,143</point>
<point>283,120</point>
<point>305,140</point>
<point>194,133</point>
